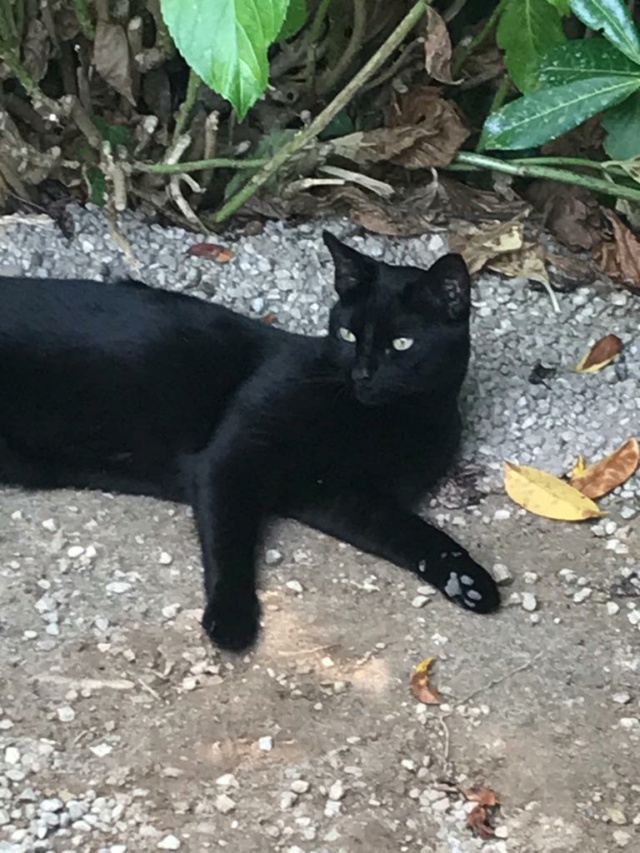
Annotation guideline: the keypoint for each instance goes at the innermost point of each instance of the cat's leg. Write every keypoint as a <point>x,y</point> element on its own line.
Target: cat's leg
<point>380,526</point>
<point>228,514</point>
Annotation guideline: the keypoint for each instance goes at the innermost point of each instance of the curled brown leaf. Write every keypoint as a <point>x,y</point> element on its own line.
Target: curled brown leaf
<point>600,355</point>
<point>620,258</point>
<point>478,819</point>
<point>598,479</point>
<point>420,686</point>
<point>212,252</point>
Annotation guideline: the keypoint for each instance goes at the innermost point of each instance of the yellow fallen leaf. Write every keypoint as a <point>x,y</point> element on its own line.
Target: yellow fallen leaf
<point>600,355</point>
<point>547,495</point>
<point>596,480</point>
<point>579,466</point>
<point>420,686</point>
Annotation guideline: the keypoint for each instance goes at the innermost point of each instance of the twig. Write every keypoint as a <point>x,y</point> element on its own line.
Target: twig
<point>187,105</point>
<point>466,160</point>
<point>463,52</point>
<point>314,36</point>
<point>499,680</point>
<point>196,165</point>
<point>332,76</point>
<point>303,137</point>
<point>150,690</point>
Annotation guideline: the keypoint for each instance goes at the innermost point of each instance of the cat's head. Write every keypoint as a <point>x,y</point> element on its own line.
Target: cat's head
<point>398,331</point>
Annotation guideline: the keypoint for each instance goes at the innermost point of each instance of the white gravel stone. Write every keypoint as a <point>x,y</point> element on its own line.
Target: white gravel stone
<point>336,791</point>
<point>294,586</point>
<point>272,557</point>
<point>265,743</point>
<point>419,601</point>
<point>12,756</point>
<point>101,749</point>
<point>300,786</point>
<point>118,587</point>
<point>224,804</point>
<point>165,559</point>
<point>501,574</point>
<point>529,602</point>
<point>169,842</point>
<point>612,608</point>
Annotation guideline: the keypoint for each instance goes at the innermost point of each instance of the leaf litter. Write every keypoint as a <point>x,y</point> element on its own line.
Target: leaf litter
<point>421,686</point>
<point>602,353</point>
<point>546,495</point>
<point>600,478</point>
<point>478,819</point>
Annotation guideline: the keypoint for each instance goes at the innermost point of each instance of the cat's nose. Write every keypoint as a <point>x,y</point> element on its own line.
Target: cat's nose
<point>360,373</point>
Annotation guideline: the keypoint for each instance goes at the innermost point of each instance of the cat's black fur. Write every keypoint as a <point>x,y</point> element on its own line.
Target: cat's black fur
<point>126,388</point>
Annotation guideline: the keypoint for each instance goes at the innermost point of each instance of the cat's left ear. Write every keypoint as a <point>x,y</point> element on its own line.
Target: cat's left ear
<point>449,277</point>
<point>352,270</point>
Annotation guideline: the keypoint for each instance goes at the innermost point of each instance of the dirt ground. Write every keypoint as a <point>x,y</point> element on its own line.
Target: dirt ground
<point>110,695</point>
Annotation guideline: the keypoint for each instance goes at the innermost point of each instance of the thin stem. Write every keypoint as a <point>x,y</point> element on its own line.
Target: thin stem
<point>463,53</point>
<point>314,36</point>
<point>196,165</point>
<point>606,166</point>
<point>84,19</point>
<point>187,105</point>
<point>303,137</point>
<point>466,160</point>
<point>333,75</point>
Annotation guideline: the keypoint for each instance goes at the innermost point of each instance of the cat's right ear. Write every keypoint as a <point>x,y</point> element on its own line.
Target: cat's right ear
<point>351,268</point>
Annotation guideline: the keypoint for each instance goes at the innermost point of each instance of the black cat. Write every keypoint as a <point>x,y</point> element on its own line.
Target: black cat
<point>129,389</point>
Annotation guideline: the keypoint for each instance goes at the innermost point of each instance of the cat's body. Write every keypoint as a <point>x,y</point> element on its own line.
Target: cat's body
<point>129,389</point>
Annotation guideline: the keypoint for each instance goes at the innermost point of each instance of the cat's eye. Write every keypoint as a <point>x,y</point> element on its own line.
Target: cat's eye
<point>347,335</point>
<point>402,344</point>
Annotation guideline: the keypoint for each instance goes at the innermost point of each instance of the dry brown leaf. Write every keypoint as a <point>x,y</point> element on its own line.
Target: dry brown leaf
<point>569,271</point>
<point>571,213</point>
<point>437,48</point>
<point>600,355</point>
<point>598,479</point>
<point>419,684</point>
<point>527,262</point>
<point>478,819</point>
<point>112,58</point>
<point>424,131</point>
<point>403,217</point>
<point>269,319</point>
<point>620,258</point>
<point>211,251</point>
<point>485,244</point>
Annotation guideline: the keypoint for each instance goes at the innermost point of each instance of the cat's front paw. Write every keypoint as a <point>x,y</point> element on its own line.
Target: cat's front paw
<point>466,583</point>
<point>232,622</point>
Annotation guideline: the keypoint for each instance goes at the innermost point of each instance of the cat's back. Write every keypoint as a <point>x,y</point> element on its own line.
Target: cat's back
<point>80,312</point>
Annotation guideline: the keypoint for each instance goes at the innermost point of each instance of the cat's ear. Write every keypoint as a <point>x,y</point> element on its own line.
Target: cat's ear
<point>450,278</point>
<point>352,269</point>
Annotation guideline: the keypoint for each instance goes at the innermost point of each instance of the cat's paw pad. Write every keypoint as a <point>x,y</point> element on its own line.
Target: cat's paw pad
<point>232,623</point>
<point>472,587</point>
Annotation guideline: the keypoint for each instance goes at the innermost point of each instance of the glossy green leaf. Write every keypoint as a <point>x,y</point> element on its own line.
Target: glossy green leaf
<point>612,18</point>
<point>226,43</point>
<point>527,30</point>
<point>295,20</point>
<point>546,114</point>
<point>622,124</point>
<point>563,6</point>
<point>583,59</point>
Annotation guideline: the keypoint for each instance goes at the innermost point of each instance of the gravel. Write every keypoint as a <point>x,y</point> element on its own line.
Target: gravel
<point>71,778</point>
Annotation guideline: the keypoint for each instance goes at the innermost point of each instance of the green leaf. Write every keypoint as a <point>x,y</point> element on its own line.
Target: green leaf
<point>226,43</point>
<point>544,115</point>
<point>295,20</point>
<point>615,21</point>
<point>622,124</point>
<point>116,134</point>
<point>97,186</point>
<point>563,6</point>
<point>582,59</point>
<point>527,30</point>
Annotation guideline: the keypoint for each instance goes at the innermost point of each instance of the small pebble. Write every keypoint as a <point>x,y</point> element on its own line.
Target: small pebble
<point>336,791</point>
<point>529,602</point>
<point>300,786</point>
<point>621,837</point>
<point>66,714</point>
<point>169,842</point>
<point>501,574</point>
<point>224,804</point>
<point>612,608</point>
<point>294,586</point>
<point>272,557</point>
<point>165,559</point>
<point>265,743</point>
<point>419,601</point>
